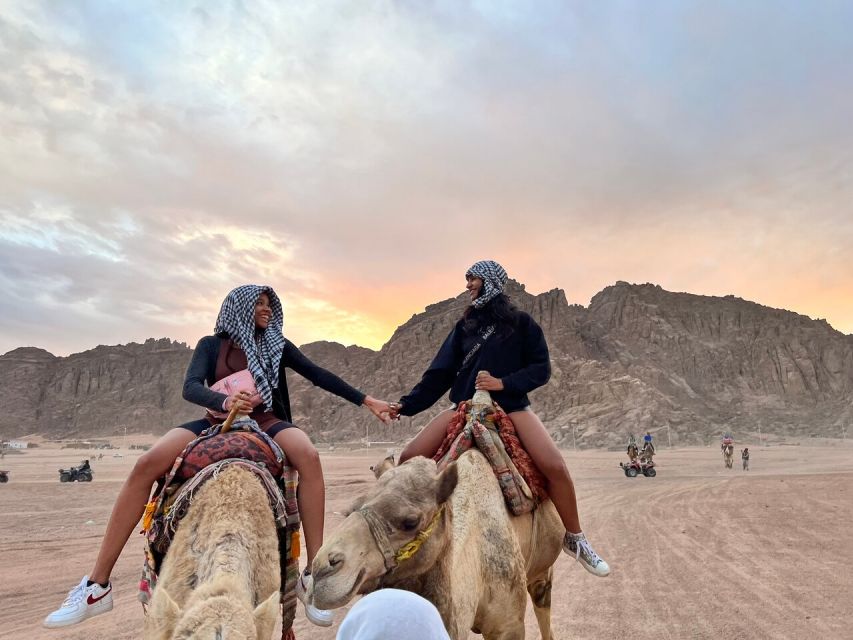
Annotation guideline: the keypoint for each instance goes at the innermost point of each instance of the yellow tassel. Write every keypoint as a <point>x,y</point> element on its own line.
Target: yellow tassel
<point>294,545</point>
<point>148,516</point>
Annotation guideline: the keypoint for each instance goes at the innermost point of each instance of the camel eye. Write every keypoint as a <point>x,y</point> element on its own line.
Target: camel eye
<point>409,524</point>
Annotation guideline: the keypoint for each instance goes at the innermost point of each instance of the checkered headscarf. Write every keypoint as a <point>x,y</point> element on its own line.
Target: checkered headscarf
<point>263,349</point>
<point>494,279</point>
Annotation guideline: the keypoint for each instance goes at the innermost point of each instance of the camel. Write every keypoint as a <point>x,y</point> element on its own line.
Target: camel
<point>728,454</point>
<point>449,537</point>
<point>632,451</point>
<point>648,453</point>
<point>220,579</point>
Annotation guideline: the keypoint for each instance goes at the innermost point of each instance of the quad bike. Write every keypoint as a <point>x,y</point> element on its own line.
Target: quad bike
<point>80,473</point>
<point>636,467</point>
<point>4,476</point>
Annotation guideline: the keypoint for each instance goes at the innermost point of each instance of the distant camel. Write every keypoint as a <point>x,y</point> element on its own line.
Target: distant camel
<point>221,575</point>
<point>728,454</point>
<point>648,453</point>
<point>632,451</point>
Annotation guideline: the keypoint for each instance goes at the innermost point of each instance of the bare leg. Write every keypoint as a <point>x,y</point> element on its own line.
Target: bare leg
<point>311,494</point>
<point>538,443</point>
<point>427,442</point>
<point>131,500</point>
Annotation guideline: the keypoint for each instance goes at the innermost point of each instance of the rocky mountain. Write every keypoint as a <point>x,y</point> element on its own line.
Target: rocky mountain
<point>638,359</point>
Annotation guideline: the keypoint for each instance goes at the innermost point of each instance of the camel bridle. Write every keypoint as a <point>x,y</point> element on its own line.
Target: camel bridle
<point>381,531</point>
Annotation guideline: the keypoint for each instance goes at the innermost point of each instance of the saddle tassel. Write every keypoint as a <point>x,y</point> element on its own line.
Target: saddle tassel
<point>148,515</point>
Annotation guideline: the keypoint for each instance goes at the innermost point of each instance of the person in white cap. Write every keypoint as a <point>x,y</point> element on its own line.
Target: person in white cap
<point>392,614</point>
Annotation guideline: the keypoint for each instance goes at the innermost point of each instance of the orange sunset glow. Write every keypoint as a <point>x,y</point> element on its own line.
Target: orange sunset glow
<point>359,161</point>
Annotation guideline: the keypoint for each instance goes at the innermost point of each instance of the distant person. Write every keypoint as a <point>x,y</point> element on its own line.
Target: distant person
<point>497,348</point>
<point>392,614</point>
<point>247,335</point>
<point>744,456</point>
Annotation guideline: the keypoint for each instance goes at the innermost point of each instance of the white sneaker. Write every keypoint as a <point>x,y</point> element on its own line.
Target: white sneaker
<point>576,544</point>
<point>81,603</point>
<point>304,587</point>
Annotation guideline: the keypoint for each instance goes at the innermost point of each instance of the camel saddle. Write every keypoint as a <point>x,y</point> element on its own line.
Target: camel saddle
<point>481,423</point>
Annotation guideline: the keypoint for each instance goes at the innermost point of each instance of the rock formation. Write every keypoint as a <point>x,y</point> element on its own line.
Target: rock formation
<point>638,359</point>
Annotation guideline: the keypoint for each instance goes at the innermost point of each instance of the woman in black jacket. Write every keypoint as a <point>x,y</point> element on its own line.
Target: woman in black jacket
<point>497,348</point>
<point>248,335</point>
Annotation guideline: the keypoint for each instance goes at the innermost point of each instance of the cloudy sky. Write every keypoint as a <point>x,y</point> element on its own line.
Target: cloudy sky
<point>360,156</point>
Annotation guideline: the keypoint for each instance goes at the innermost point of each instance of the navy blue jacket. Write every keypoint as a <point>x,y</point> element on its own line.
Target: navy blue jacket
<point>519,359</point>
<point>202,369</point>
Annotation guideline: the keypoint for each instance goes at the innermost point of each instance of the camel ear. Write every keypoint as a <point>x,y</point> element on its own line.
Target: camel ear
<point>386,464</point>
<point>446,483</point>
<point>266,615</point>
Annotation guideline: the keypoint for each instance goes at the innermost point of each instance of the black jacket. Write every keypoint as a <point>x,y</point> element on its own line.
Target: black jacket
<point>519,359</point>
<point>202,369</point>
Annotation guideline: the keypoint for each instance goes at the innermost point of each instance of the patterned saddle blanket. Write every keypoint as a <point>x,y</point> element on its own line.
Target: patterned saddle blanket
<point>521,482</point>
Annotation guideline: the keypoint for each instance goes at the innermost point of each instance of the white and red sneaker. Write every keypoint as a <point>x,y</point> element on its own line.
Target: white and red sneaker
<point>81,603</point>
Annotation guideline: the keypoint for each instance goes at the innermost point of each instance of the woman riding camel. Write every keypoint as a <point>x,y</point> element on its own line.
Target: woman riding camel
<point>248,335</point>
<point>498,348</point>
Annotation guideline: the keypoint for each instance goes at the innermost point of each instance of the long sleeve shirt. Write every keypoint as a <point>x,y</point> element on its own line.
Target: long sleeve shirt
<point>520,360</point>
<point>201,374</point>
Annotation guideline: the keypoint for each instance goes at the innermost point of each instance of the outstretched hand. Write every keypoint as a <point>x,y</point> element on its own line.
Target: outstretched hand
<point>487,382</point>
<point>379,408</point>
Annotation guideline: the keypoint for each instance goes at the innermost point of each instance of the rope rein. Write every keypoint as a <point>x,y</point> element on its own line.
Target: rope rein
<point>411,548</point>
<point>381,530</point>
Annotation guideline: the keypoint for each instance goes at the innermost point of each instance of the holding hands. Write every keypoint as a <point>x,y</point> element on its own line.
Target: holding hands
<point>379,408</point>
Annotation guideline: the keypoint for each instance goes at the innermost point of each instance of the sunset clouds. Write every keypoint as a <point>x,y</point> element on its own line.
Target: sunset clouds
<point>359,157</point>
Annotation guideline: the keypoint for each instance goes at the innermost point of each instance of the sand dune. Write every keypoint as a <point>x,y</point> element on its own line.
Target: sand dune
<point>697,552</point>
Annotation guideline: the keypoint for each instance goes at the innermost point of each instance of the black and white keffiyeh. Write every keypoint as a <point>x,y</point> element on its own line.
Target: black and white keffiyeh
<point>263,349</point>
<point>494,278</point>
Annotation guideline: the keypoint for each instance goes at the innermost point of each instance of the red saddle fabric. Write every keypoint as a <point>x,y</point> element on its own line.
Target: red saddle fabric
<point>233,444</point>
<point>506,431</point>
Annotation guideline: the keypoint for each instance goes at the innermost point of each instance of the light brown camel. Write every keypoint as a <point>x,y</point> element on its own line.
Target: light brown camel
<point>728,454</point>
<point>220,579</point>
<point>474,562</point>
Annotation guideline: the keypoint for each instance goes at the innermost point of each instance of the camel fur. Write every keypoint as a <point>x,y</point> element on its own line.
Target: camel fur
<point>475,565</point>
<point>220,579</point>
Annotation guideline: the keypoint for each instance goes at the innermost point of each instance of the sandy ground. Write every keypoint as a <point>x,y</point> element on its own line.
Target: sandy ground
<point>697,552</point>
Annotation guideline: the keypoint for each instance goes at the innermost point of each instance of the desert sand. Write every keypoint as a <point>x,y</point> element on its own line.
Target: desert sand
<point>697,552</point>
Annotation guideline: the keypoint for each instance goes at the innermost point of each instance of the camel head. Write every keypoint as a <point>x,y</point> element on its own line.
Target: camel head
<point>405,506</point>
<point>214,613</point>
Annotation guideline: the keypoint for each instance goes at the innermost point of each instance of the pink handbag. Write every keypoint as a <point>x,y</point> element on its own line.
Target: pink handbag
<point>234,383</point>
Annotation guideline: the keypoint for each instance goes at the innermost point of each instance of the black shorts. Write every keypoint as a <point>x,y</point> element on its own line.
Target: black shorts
<point>197,426</point>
